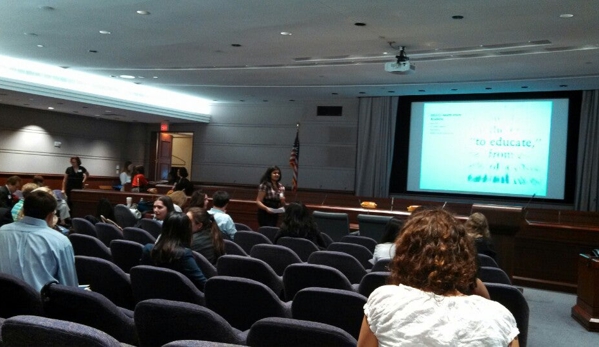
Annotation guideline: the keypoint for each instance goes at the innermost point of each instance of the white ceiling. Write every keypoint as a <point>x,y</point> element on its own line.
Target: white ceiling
<point>186,46</point>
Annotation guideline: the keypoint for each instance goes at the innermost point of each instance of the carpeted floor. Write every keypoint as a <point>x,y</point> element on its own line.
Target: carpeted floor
<point>550,322</point>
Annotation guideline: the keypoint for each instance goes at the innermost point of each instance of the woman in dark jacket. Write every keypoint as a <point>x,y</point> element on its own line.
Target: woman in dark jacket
<point>172,249</point>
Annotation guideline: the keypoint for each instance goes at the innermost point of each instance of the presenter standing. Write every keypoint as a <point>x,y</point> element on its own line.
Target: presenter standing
<point>74,178</point>
<point>271,196</point>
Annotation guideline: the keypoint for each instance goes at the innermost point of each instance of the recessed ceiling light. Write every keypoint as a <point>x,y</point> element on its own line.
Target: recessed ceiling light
<point>391,91</point>
<point>127,77</point>
<point>292,100</point>
<point>235,45</point>
<point>335,93</point>
<point>385,53</point>
<point>454,89</point>
<point>140,77</point>
<point>362,93</point>
<point>286,33</point>
<point>457,17</point>
<point>488,88</point>
<point>50,108</point>
<point>92,51</point>
<point>40,46</point>
<point>143,12</point>
<point>524,87</point>
<point>566,15</point>
<point>105,32</point>
<point>360,24</point>
<point>421,90</point>
<point>154,76</point>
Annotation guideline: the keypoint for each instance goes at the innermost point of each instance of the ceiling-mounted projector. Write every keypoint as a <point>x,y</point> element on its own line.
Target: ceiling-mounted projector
<point>402,66</point>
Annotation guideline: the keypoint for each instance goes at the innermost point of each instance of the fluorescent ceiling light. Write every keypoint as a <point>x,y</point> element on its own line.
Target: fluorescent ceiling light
<point>53,81</point>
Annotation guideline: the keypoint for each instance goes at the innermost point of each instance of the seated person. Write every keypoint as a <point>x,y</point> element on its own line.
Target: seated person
<point>298,222</point>
<point>162,207</point>
<point>139,183</point>
<point>17,208</point>
<point>32,251</point>
<point>220,200</point>
<point>199,199</point>
<point>207,238</point>
<point>478,228</point>
<point>432,269</point>
<point>183,183</point>
<point>386,247</point>
<point>179,200</point>
<point>172,249</point>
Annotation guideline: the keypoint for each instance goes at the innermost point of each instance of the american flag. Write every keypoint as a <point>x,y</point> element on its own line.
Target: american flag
<point>294,160</point>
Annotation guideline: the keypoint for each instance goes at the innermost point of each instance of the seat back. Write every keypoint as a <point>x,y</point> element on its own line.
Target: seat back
<point>277,256</point>
<point>381,265</point>
<point>233,248</point>
<point>106,278</point>
<point>269,232</point>
<point>207,268</point>
<point>252,268</point>
<point>89,308</point>
<point>336,225</point>
<point>287,332</point>
<point>123,216</point>
<point>300,276</point>
<point>150,282</point>
<point>493,275</point>
<point>510,297</point>
<point>361,253</point>
<point>161,321</point>
<point>41,331</point>
<point>302,247</point>
<point>242,301</point>
<point>241,226</point>
<point>126,254</point>
<point>138,235</point>
<point>248,239</point>
<point>347,264</point>
<point>108,232</point>
<point>372,281</point>
<point>151,226</point>
<point>365,241</point>
<point>18,298</point>
<point>89,246</point>
<point>83,226</point>
<point>372,226</point>
<point>341,308</point>
<point>485,260</point>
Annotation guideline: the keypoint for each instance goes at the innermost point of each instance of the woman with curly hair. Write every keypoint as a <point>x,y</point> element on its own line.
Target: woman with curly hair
<point>424,303</point>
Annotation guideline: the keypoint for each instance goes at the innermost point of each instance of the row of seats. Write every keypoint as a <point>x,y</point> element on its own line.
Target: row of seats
<point>240,302</point>
<point>214,332</point>
<point>336,225</point>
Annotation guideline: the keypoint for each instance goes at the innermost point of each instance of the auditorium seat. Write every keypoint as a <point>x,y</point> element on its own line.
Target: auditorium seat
<point>347,264</point>
<point>18,298</point>
<point>277,256</point>
<point>300,276</point>
<point>302,247</point>
<point>336,225</point>
<point>361,253</point>
<point>372,226</point>
<point>150,282</point>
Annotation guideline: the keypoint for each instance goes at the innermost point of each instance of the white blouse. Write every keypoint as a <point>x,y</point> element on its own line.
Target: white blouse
<point>405,316</point>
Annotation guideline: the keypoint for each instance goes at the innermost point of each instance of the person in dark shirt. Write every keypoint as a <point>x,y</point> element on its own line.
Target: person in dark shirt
<point>172,249</point>
<point>298,222</point>
<point>184,183</point>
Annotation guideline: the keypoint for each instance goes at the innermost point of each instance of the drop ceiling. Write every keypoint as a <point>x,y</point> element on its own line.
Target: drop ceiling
<point>275,51</point>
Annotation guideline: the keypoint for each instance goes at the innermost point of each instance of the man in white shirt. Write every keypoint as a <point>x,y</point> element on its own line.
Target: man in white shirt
<point>34,252</point>
<point>220,200</point>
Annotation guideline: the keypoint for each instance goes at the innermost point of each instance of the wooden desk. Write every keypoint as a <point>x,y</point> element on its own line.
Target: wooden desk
<point>586,310</point>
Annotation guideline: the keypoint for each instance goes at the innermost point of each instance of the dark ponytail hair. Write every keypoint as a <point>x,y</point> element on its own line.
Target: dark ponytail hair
<point>201,215</point>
